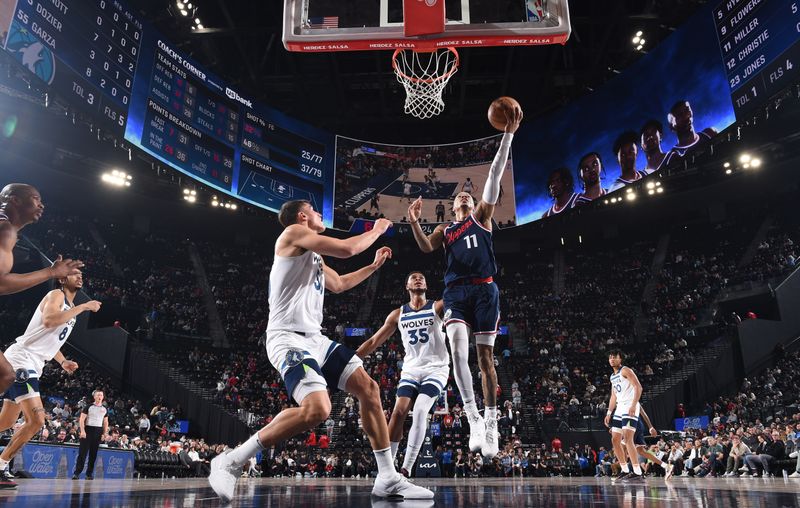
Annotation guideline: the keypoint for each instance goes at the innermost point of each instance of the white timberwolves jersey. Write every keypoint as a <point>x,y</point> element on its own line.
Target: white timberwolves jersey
<point>423,340</point>
<point>296,292</point>
<point>623,389</point>
<point>41,344</point>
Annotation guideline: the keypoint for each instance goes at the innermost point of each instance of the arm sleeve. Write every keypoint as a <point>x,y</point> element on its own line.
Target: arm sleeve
<point>491,191</point>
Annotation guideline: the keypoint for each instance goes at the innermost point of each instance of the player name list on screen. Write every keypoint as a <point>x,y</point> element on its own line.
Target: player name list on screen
<point>759,44</point>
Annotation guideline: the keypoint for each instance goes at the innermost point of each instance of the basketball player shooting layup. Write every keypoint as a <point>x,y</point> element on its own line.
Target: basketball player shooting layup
<point>20,205</point>
<point>426,364</point>
<point>49,328</point>
<point>471,298</point>
<point>308,361</point>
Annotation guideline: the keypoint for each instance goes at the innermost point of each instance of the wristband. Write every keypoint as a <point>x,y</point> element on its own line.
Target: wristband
<point>62,362</point>
<point>608,413</point>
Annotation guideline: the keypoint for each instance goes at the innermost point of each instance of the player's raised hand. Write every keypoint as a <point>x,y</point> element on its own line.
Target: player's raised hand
<point>92,306</point>
<point>66,267</point>
<point>381,255</point>
<point>415,210</point>
<point>382,225</point>
<point>513,119</point>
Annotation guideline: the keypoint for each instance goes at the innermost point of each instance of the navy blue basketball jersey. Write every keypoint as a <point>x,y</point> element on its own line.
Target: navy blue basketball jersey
<point>469,251</point>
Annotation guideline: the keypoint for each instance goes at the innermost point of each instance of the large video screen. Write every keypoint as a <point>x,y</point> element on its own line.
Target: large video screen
<point>670,103</point>
<point>111,64</point>
<point>376,180</point>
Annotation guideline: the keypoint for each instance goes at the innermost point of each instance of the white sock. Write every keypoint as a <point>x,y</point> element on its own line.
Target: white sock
<point>394,445</point>
<point>637,468</point>
<point>3,464</point>
<point>242,453</point>
<point>458,333</point>
<point>625,468</point>
<point>416,436</point>
<point>490,412</point>
<point>385,462</point>
<point>471,409</point>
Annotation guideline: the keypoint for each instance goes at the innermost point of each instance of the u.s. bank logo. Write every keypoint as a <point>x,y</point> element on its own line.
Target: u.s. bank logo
<point>31,52</point>
<point>294,357</point>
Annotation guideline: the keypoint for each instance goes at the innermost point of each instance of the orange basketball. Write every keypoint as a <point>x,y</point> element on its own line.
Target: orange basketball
<point>497,111</point>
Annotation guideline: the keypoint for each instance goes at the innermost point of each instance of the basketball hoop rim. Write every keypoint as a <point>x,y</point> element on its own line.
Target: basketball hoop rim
<point>415,79</point>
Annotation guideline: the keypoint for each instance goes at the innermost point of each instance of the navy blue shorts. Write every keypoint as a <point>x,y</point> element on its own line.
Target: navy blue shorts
<point>26,385</point>
<point>476,305</point>
<point>638,437</point>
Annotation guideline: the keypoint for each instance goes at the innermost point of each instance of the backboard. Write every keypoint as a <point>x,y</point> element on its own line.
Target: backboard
<point>363,25</point>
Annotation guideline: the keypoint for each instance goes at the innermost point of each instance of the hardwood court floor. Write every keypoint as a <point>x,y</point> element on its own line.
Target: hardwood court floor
<point>351,493</point>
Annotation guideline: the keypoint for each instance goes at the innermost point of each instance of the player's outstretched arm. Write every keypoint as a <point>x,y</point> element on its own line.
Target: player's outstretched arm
<point>438,307</point>
<point>299,236</point>
<point>427,243</point>
<point>11,283</point>
<point>646,418</point>
<point>491,191</point>
<point>381,336</point>
<point>340,283</point>
<point>53,316</point>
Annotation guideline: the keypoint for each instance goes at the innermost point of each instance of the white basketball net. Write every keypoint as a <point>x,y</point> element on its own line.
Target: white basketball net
<point>424,76</point>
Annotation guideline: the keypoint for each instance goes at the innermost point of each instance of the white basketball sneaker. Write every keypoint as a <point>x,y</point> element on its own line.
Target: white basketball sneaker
<point>477,430</point>
<point>490,445</point>
<point>669,470</point>
<point>396,485</point>
<point>223,476</point>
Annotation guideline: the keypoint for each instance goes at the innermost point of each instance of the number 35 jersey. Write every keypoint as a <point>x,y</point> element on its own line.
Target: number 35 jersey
<point>423,339</point>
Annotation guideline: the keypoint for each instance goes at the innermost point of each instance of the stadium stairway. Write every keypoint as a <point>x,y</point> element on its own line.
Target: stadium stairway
<point>648,294</point>
<point>215,328</point>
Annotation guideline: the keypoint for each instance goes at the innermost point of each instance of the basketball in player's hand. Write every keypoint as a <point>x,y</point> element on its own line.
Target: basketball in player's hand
<point>499,111</point>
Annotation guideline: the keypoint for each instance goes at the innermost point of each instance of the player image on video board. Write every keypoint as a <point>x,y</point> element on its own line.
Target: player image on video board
<point>681,121</point>
<point>375,180</point>
<point>590,172</point>
<point>668,103</point>
<point>561,187</point>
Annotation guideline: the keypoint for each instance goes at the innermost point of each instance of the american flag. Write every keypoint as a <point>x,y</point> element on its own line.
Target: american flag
<point>324,22</point>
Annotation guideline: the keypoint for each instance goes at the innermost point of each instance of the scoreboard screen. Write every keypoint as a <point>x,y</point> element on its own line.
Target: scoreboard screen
<point>107,62</point>
<point>760,45</point>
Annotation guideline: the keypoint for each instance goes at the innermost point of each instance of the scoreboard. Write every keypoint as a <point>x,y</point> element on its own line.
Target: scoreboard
<point>760,45</point>
<point>109,63</point>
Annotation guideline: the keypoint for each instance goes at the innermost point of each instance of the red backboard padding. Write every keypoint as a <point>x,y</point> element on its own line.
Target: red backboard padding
<point>423,17</point>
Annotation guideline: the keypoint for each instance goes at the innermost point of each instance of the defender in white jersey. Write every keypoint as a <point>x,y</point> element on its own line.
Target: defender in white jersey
<point>49,328</point>
<point>624,406</point>
<point>309,362</point>
<point>426,364</point>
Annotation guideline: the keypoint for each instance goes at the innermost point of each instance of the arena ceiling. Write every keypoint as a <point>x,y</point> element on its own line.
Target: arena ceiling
<point>356,93</point>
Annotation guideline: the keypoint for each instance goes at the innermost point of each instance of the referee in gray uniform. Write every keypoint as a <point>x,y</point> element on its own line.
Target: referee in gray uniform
<point>93,425</point>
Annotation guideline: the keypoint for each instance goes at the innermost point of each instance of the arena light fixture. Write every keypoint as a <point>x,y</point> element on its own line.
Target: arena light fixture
<point>756,162</point>
<point>745,158</point>
<point>728,171</point>
<point>660,190</point>
<point>117,178</point>
<point>631,196</point>
<point>650,185</point>
<point>605,201</point>
<point>651,191</point>
<point>726,165</point>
